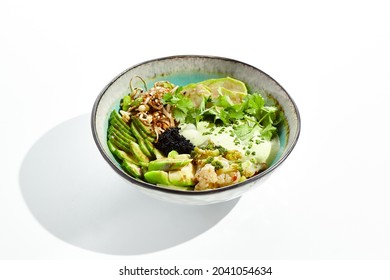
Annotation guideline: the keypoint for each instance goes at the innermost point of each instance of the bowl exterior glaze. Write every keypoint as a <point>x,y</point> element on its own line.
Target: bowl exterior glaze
<point>182,70</point>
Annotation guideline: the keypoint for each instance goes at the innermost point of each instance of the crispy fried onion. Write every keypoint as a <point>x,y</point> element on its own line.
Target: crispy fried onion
<point>148,107</point>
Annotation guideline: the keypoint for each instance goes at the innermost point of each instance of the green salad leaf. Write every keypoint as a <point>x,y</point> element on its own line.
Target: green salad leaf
<point>250,116</point>
<point>244,131</point>
<point>183,105</point>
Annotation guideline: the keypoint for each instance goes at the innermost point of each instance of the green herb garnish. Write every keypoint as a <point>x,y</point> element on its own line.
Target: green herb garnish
<point>250,116</point>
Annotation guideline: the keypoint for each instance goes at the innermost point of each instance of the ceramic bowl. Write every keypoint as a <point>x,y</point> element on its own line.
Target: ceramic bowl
<point>182,70</point>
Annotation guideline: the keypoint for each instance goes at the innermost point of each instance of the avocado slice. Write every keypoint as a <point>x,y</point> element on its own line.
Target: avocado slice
<point>182,156</point>
<point>120,145</point>
<point>118,139</point>
<point>157,153</point>
<point>120,126</point>
<point>126,156</point>
<point>115,115</point>
<point>183,177</point>
<point>151,148</point>
<point>140,141</point>
<point>137,152</point>
<point>166,164</point>
<point>144,148</point>
<point>119,123</point>
<point>121,155</point>
<point>173,154</point>
<point>132,169</point>
<point>111,146</point>
<point>115,151</point>
<point>146,129</point>
<point>135,132</point>
<point>115,134</point>
<point>141,132</point>
<point>123,134</point>
<point>157,177</point>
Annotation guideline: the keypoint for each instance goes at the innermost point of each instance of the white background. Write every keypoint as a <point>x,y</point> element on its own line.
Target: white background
<point>60,200</point>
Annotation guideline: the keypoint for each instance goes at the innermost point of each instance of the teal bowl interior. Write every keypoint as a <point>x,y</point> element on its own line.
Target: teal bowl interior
<point>182,70</point>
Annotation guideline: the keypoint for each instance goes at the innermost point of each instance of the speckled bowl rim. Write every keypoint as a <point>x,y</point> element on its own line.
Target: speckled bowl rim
<point>183,192</point>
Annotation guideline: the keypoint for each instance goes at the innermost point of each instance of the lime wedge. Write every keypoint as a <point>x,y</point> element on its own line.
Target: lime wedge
<point>227,83</point>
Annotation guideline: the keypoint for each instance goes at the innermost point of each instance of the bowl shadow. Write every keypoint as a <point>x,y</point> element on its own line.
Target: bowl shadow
<point>74,194</point>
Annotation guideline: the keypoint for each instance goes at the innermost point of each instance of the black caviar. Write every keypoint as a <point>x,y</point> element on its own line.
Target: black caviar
<point>171,140</point>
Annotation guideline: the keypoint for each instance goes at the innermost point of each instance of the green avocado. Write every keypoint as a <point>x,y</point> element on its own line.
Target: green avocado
<point>135,131</point>
<point>124,134</point>
<point>123,156</point>
<point>111,146</point>
<point>139,133</point>
<point>166,164</point>
<point>144,148</point>
<point>116,116</point>
<point>120,145</point>
<point>151,149</point>
<point>125,131</point>
<point>172,154</point>
<point>157,153</point>
<point>132,169</point>
<point>184,177</point>
<point>144,128</point>
<point>119,123</point>
<point>147,148</point>
<point>157,177</point>
<point>176,155</point>
<point>143,134</point>
<point>118,137</point>
<point>137,152</point>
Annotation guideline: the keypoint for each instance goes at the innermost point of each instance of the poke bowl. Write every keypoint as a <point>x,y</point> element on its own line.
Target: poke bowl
<point>194,129</point>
